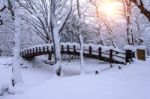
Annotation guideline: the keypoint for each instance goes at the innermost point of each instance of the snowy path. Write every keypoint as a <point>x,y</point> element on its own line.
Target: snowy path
<point>38,72</point>
<point>132,82</point>
<point>31,76</point>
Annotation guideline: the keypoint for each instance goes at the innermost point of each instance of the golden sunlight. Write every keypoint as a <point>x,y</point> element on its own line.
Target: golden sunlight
<point>109,8</point>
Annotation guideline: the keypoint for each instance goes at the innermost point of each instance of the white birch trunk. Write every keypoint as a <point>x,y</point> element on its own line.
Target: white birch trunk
<point>16,74</point>
<point>81,54</point>
<point>56,43</point>
<point>56,28</point>
<point>81,40</point>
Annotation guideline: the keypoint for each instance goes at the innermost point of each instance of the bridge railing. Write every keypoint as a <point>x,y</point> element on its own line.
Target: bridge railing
<point>92,51</point>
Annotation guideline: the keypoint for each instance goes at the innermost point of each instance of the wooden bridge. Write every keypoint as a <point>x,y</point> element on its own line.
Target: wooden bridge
<point>90,51</point>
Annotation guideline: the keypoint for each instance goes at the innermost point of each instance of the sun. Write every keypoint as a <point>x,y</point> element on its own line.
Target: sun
<point>109,8</point>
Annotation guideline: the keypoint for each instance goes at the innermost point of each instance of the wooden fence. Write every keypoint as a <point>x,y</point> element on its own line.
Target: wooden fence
<point>112,56</point>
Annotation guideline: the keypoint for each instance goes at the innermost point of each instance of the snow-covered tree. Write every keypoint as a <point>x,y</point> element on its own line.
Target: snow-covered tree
<point>80,37</point>
<point>13,8</point>
<point>59,13</point>
<point>144,6</point>
<point>6,33</point>
<point>138,25</point>
<point>99,21</point>
<point>68,33</point>
<point>127,4</point>
<point>132,16</point>
<point>16,74</point>
<point>37,13</point>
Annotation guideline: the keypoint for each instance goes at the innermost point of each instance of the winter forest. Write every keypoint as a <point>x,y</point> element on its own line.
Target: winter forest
<point>74,49</point>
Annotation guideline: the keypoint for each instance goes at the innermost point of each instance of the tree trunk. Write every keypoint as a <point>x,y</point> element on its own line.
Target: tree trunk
<point>127,12</point>
<point>49,56</point>
<point>128,30</point>
<point>142,8</point>
<point>56,29</point>
<point>57,53</point>
<point>81,54</point>
<point>81,39</point>
<point>16,74</point>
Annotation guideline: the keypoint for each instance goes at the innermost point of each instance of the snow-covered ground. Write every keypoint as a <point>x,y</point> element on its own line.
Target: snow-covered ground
<point>131,82</point>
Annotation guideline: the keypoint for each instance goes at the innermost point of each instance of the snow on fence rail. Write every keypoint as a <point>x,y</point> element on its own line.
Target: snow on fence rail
<point>109,54</point>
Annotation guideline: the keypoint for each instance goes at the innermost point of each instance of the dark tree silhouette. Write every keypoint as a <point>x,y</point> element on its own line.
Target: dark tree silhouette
<point>142,8</point>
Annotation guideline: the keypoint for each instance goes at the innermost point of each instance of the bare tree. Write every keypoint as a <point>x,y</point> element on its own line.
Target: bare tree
<point>16,50</point>
<point>138,25</point>
<point>141,6</point>
<point>104,23</point>
<point>137,37</point>
<point>94,3</point>
<point>127,4</point>
<point>1,10</point>
<point>128,7</point>
<point>59,13</point>
<point>37,14</point>
<point>80,36</point>
<point>16,74</point>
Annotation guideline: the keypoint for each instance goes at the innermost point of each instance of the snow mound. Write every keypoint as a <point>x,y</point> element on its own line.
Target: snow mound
<point>128,83</point>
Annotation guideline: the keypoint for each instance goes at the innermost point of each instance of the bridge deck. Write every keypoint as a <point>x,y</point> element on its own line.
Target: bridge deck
<point>91,51</point>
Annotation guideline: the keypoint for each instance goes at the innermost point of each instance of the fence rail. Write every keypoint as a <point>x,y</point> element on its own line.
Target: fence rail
<point>109,55</point>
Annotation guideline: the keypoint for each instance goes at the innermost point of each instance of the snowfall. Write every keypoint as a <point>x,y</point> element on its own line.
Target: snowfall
<point>132,81</point>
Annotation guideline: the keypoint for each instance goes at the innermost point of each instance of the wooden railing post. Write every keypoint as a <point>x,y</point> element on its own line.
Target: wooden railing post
<point>47,48</point>
<point>27,52</point>
<point>128,56</point>
<point>111,57</point>
<point>33,51</point>
<point>30,51</point>
<point>52,49</point>
<point>43,49</point>
<point>36,49</point>
<point>74,49</point>
<point>68,50</point>
<point>62,49</point>
<point>49,53</point>
<point>90,50</point>
<point>49,56</point>
<point>100,52</point>
<point>39,49</point>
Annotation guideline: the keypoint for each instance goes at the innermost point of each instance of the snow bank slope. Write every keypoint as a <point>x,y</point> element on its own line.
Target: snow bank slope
<point>132,82</point>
